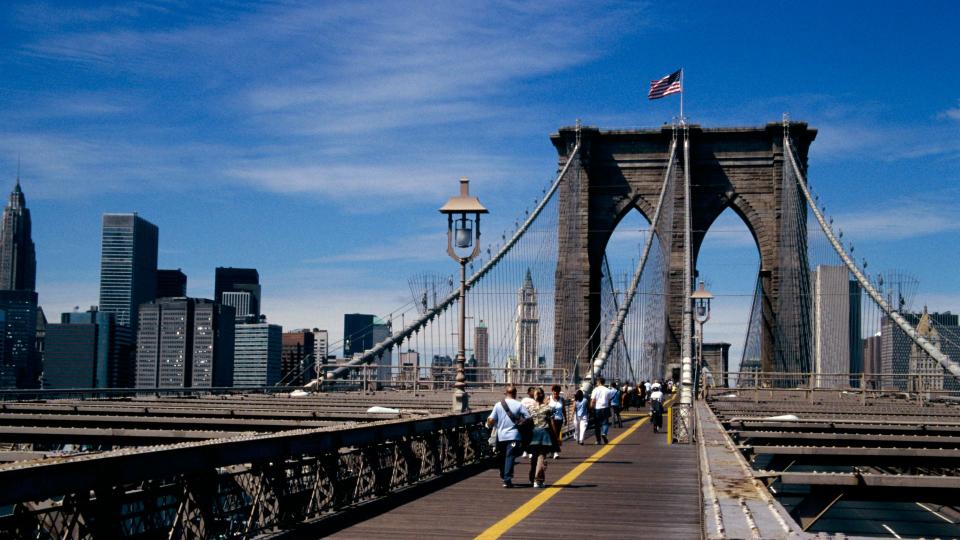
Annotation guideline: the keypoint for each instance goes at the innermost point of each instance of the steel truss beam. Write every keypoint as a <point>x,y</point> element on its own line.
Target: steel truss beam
<point>243,487</point>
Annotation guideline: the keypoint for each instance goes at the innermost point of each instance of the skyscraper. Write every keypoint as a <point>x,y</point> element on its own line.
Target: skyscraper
<point>360,333</point>
<point>18,260</point>
<point>357,333</point>
<point>481,349</point>
<point>128,266</point>
<point>831,324</point>
<point>321,344</point>
<point>79,350</point>
<point>184,342</point>
<point>527,324</point>
<point>19,365</point>
<point>298,347</point>
<point>171,284</point>
<point>239,280</point>
<point>257,354</point>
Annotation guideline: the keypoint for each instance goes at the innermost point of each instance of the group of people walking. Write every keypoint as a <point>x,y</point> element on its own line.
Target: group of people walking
<point>532,427</point>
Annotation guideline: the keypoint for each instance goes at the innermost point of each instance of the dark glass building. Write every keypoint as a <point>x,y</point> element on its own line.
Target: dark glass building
<point>357,333</point>
<point>19,365</point>
<point>245,283</point>
<point>171,284</point>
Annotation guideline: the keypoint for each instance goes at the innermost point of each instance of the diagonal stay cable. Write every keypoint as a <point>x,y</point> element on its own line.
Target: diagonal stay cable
<point>613,335</point>
<point>471,281</point>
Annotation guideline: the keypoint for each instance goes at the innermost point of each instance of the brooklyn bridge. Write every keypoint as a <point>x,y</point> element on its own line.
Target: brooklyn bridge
<point>841,420</point>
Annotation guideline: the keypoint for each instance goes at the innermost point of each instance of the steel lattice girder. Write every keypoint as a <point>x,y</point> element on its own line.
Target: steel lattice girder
<point>41,480</point>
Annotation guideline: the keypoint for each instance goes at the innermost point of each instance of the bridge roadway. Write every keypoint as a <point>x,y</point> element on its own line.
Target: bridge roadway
<point>638,485</point>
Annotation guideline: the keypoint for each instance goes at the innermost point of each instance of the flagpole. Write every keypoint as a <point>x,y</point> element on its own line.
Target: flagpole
<point>683,120</point>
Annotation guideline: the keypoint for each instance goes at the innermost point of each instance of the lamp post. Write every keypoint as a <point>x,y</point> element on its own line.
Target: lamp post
<point>701,313</point>
<point>463,232</point>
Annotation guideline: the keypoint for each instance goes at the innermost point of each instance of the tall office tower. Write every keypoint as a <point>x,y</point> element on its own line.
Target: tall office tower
<point>40,342</point>
<point>872,364</point>
<point>171,284</point>
<point>213,344</point>
<point>239,280</point>
<point>19,366</point>
<point>831,324</point>
<point>18,259</point>
<point>926,374</point>
<point>855,339</point>
<point>257,352</point>
<point>357,333</point>
<point>298,350</point>
<point>382,331</point>
<point>527,323</point>
<point>360,333</point>
<point>128,266</point>
<point>79,350</point>
<point>321,344</point>
<point>896,346</point>
<point>717,358</point>
<point>481,350</point>
<point>184,342</point>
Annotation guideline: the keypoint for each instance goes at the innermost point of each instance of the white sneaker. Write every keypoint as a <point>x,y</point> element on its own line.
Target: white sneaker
<point>525,455</point>
<point>556,455</point>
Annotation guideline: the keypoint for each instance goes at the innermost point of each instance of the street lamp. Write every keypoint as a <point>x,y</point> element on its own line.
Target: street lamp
<point>463,232</point>
<point>701,312</point>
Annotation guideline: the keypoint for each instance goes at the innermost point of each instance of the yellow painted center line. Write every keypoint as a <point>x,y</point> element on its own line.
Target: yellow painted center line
<point>501,527</point>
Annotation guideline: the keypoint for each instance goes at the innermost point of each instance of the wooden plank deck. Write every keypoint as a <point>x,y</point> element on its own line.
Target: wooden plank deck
<point>641,487</point>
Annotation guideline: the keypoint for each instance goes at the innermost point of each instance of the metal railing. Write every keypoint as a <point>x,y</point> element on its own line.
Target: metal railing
<point>236,487</point>
<point>429,378</point>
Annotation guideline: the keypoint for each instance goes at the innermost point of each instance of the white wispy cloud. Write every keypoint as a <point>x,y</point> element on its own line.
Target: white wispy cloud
<point>900,219</point>
<point>333,99</point>
<point>952,113</point>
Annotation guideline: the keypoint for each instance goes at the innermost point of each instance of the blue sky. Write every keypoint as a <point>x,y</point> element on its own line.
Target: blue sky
<point>315,140</point>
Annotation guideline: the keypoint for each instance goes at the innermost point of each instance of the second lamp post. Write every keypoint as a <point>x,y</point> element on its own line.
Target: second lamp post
<point>463,233</point>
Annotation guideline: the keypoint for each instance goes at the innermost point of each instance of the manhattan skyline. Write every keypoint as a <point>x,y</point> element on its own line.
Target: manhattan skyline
<point>315,143</point>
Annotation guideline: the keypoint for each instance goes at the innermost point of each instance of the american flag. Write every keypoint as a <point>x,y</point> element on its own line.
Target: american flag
<point>665,86</point>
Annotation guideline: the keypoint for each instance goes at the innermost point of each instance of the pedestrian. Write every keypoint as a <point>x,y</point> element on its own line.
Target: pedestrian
<point>558,405</point>
<point>656,407</point>
<point>528,402</point>
<point>507,415</point>
<point>581,416</point>
<point>628,396</point>
<point>542,441</point>
<point>600,404</point>
<point>616,398</point>
<point>642,393</point>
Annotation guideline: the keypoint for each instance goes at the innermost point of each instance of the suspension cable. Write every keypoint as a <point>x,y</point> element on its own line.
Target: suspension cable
<point>904,325</point>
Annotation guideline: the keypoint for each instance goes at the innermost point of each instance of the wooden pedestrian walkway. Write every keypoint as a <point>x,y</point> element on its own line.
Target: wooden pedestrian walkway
<point>637,486</point>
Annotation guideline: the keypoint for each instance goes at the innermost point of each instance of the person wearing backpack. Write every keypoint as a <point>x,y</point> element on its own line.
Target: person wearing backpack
<point>509,417</point>
<point>656,408</point>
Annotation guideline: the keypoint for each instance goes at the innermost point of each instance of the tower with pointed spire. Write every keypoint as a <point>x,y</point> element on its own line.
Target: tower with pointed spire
<point>527,325</point>
<point>20,365</point>
<point>18,260</point>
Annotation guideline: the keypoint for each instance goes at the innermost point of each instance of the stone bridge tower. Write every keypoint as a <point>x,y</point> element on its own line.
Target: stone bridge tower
<point>619,170</point>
